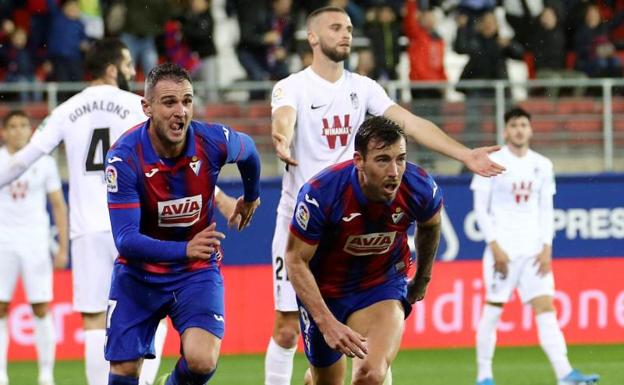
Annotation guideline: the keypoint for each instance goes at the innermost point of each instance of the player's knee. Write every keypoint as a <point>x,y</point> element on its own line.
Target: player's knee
<point>40,309</point>
<point>202,365</point>
<point>287,336</point>
<point>367,375</point>
<point>4,309</point>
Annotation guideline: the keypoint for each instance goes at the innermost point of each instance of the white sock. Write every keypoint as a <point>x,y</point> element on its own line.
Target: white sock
<point>96,366</point>
<point>278,364</point>
<point>388,379</point>
<point>45,344</point>
<point>486,340</point>
<point>553,343</point>
<point>4,350</point>
<point>149,371</point>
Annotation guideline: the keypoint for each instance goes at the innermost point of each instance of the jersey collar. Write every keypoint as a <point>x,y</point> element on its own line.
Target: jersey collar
<point>153,160</point>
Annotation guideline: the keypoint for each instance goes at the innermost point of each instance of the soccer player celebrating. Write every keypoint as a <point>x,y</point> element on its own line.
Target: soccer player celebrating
<point>89,123</point>
<point>515,212</point>
<point>161,178</point>
<point>348,256</point>
<point>327,104</point>
<point>24,242</point>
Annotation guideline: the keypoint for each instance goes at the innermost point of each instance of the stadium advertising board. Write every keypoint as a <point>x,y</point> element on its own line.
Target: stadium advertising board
<point>589,260</point>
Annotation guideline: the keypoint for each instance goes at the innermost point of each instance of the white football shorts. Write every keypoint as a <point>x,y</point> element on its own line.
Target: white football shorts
<point>521,275</point>
<point>283,292</point>
<point>93,256</point>
<point>31,260</point>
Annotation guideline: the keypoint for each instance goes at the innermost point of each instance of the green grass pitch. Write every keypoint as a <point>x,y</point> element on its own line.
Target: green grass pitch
<point>512,366</point>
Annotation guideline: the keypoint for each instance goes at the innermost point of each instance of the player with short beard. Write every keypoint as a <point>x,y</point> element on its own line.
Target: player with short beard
<point>327,104</point>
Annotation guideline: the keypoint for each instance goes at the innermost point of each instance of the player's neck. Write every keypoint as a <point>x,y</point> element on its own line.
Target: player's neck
<point>163,149</point>
<point>11,150</point>
<point>518,151</point>
<point>327,68</point>
<point>103,81</point>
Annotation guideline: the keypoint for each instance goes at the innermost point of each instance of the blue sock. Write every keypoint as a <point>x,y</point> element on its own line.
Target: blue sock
<point>182,375</point>
<point>115,379</point>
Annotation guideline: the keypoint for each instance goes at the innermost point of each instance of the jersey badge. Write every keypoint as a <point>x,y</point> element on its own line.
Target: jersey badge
<point>111,179</point>
<point>311,201</point>
<point>398,214</point>
<point>367,244</point>
<point>278,94</point>
<point>302,215</point>
<point>183,212</point>
<point>355,101</point>
<point>195,165</point>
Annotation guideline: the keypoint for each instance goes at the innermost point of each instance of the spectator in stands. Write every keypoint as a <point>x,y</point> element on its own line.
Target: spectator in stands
<point>355,12</point>
<point>517,12</point>
<point>425,49</point>
<point>67,40</point>
<point>473,9</point>
<point>547,44</point>
<point>266,38</point>
<point>383,30</point>
<point>366,65</point>
<point>141,26</point>
<point>20,65</point>
<point>198,30</point>
<point>595,53</point>
<point>487,53</point>
<point>91,16</point>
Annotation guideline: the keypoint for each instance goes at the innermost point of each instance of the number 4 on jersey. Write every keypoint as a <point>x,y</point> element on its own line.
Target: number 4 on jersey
<point>98,147</point>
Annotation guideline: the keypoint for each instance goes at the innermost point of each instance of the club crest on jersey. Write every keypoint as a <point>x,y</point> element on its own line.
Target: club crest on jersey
<point>367,244</point>
<point>355,101</point>
<point>195,164</point>
<point>183,212</point>
<point>111,179</point>
<point>302,215</point>
<point>398,215</point>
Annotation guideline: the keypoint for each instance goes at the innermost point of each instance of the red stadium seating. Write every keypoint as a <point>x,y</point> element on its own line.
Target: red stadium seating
<point>222,110</point>
<point>259,110</point>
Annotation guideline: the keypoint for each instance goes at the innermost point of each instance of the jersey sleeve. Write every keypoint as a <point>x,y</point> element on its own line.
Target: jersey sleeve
<point>378,100</point>
<point>53,180</point>
<point>481,183</point>
<point>284,93</point>
<point>241,150</point>
<point>49,133</point>
<point>309,219</point>
<point>121,180</point>
<point>433,199</point>
<point>549,186</point>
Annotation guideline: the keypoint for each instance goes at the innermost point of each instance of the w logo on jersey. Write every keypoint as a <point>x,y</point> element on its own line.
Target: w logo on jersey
<point>183,212</point>
<point>522,191</point>
<point>19,189</point>
<point>340,129</point>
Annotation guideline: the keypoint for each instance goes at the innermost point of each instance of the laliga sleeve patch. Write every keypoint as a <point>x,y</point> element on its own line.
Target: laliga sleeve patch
<point>302,215</point>
<point>111,179</point>
<point>278,94</point>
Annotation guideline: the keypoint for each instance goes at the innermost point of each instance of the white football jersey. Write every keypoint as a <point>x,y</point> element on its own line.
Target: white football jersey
<point>514,200</point>
<point>328,116</point>
<point>23,202</point>
<point>89,123</point>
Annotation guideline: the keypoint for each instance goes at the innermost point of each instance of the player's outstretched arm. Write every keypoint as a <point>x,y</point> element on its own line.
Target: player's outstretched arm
<point>428,134</point>
<point>427,241</point>
<point>337,335</point>
<point>19,163</point>
<point>282,131</point>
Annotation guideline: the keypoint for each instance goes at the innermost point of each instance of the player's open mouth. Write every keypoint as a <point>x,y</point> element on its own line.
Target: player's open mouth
<point>390,187</point>
<point>177,126</point>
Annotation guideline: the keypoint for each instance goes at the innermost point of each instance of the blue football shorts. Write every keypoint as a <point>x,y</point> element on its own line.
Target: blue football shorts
<point>137,303</point>
<point>318,352</point>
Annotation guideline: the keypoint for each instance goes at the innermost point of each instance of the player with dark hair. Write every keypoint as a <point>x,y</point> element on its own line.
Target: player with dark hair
<point>161,177</point>
<point>515,213</point>
<point>348,255</point>
<point>316,113</point>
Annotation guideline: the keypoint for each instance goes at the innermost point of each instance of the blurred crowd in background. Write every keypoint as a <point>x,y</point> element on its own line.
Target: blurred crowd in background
<point>45,40</point>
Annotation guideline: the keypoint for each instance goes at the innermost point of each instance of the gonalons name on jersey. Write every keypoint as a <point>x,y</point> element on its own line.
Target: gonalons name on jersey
<point>99,106</point>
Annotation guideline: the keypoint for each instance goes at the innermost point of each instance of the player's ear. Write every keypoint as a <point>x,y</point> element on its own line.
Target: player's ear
<point>358,160</point>
<point>111,72</point>
<point>147,107</point>
<point>312,38</point>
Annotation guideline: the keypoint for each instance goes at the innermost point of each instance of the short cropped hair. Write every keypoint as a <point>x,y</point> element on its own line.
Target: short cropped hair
<point>516,112</point>
<point>102,54</point>
<point>165,71</point>
<point>314,14</point>
<point>383,131</point>
<point>12,114</point>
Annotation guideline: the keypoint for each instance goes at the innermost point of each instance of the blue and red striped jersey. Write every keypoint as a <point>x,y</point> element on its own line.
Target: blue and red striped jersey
<point>163,203</point>
<point>361,244</point>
